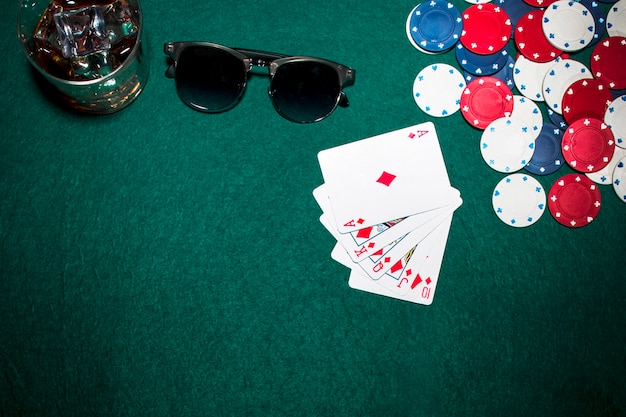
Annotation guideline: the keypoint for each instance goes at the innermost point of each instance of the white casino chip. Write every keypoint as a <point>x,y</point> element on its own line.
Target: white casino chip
<point>616,19</point>
<point>605,175</point>
<point>437,90</point>
<point>559,77</point>
<point>528,111</point>
<point>506,144</point>
<point>528,77</point>
<point>519,200</point>
<point>619,179</point>
<point>615,118</point>
<point>568,25</point>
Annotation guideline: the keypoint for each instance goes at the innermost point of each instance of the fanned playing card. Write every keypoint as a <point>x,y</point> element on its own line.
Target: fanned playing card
<point>390,257</point>
<point>385,177</point>
<point>419,287</point>
<point>388,202</point>
<point>363,243</point>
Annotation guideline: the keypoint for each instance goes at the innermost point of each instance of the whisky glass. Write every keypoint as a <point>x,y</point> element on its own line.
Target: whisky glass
<point>89,51</point>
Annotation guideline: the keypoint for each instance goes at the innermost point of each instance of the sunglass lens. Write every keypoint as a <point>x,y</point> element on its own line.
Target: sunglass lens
<point>209,79</point>
<point>305,91</point>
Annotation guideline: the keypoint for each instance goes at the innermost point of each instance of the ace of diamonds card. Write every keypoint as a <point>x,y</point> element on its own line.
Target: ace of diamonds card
<point>385,177</point>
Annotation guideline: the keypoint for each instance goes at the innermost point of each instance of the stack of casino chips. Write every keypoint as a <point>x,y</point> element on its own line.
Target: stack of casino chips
<point>516,62</point>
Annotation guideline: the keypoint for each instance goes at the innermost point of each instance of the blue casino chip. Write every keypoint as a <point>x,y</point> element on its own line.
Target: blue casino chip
<point>556,118</point>
<point>515,9</point>
<point>481,65</point>
<point>548,156</point>
<point>434,26</point>
<point>505,73</point>
<point>618,93</point>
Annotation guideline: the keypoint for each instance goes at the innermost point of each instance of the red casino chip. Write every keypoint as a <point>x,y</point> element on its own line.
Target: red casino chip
<point>574,200</point>
<point>531,41</point>
<point>484,100</point>
<point>608,61</point>
<point>588,145</point>
<point>486,29</point>
<point>585,98</point>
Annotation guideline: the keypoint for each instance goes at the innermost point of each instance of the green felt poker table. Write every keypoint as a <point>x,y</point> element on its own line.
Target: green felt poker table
<point>160,261</point>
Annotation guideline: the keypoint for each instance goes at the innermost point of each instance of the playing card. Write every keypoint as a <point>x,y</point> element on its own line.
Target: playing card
<point>388,202</point>
<point>421,287</point>
<point>405,272</point>
<point>385,177</point>
<point>390,258</point>
<point>372,259</point>
<point>363,243</point>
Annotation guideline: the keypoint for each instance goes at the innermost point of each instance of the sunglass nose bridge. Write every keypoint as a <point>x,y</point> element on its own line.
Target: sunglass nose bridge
<point>259,58</point>
<point>260,62</point>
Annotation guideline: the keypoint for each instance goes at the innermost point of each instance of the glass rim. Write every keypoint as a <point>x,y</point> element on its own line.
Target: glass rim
<point>25,38</point>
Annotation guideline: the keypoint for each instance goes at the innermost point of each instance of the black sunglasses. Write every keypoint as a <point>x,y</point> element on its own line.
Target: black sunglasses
<point>212,78</point>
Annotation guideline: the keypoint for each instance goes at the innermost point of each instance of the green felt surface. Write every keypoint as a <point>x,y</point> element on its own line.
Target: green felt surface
<point>163,262</point>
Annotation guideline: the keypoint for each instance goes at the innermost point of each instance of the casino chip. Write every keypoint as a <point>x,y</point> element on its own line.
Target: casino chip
<point>486,28</point>
<point>434,26</point>
<point>588,145</point>
<point>527,110</point>
<point>616,19</point>
<point>530,40</point>
<point>615,118</point>
<point>568,25</point>
<point>560,76</point>
<point>599,17</point>
<point>547,157</point>
<point>556,119</point>
<point>505,74</point>
<point>619,179</point>
<point>586,98</point>
<point>605,175</point>
<point>617,93</point>
<point>528,76</point>
<point>484,100</point>
<point>574,200</point>
<point>515,9</point>
<point>506,146</point>
<point>437,89</point>
<point>608,62</point>
<point>540,3</point>
<point>519,200</point>
<point>480,65</point>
